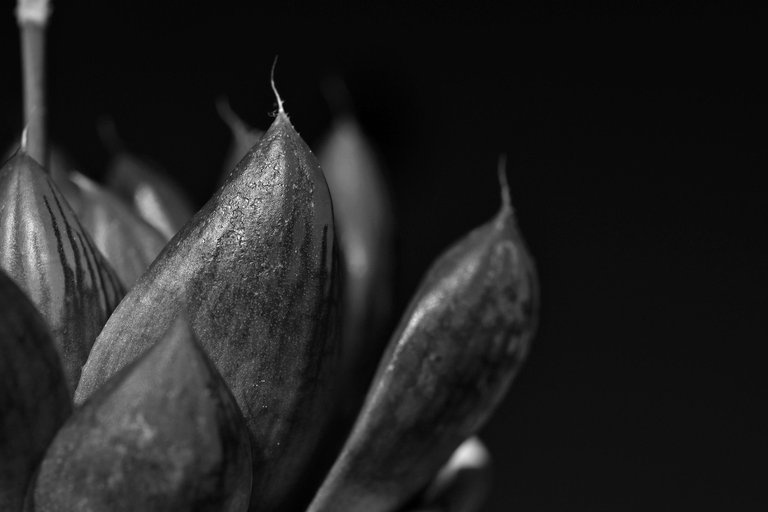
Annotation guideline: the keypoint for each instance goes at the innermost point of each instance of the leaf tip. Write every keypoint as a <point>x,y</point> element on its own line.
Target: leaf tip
<point>506,199</point>
<point>280,109</point>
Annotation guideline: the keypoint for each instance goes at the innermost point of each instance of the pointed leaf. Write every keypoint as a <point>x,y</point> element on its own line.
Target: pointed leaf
<point>45,250</point>
<point>449,363</point>
<point>164,434</point>
<point>128,242</point>
<point>255,271</point>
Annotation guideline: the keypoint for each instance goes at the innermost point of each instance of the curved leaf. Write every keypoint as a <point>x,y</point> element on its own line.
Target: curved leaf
<point>34,399</point>
<point>448,365</point>
<point>164,434</point>
<point>46,251</point>
<point>255,271</point>
<point>128,242</point>
<point>153,194</point>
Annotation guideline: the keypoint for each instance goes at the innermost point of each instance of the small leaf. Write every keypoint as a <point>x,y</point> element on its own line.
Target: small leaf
<point>364,220</point>
<point>448,365</point>
<point>150,191</point>
<point>34,399</point>
<point>165,434</point>
<point>45,250</point>
<point>128,242</point>
<point>463,483</point>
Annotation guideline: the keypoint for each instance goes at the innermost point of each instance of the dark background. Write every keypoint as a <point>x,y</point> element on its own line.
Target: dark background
<point>636,139</point>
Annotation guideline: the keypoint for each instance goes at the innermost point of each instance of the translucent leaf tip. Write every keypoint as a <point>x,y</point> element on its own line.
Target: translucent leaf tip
<point>274,88</point>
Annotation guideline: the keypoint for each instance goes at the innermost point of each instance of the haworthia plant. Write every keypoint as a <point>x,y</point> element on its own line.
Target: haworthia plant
<point>255,271</point>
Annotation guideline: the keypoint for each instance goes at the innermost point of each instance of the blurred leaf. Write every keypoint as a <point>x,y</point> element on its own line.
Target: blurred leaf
<point>34,399</point>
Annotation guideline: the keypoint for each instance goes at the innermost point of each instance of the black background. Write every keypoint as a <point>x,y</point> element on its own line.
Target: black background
<point>636,141</point>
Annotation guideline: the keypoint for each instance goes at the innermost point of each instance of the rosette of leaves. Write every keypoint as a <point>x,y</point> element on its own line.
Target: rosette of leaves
<point>224,411</point>
<point>213,384</point>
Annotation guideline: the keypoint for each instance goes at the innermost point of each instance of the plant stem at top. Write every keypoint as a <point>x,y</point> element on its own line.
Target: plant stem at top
<point>32,18</point>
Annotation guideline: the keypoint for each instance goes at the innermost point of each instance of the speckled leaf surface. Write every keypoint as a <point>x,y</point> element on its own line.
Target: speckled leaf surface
<point>255,271</point>
<point>448,364</point>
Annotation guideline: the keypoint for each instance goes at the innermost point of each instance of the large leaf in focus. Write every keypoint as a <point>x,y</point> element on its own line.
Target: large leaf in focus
<point>255,271</point>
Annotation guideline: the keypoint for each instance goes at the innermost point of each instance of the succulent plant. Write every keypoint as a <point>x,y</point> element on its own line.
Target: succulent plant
<point>215,383</point>
<point>255,271</point>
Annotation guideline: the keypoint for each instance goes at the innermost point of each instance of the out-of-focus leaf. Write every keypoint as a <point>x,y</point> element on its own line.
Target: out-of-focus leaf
<point>146,187</point>
<point>244,137</point>
<point>34,399</point>
<point>128,242</point>
<point>364,220</point>
<point>463,483</point>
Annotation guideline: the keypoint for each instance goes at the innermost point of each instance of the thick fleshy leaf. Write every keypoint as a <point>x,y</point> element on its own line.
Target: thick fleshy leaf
<point>449,363</point>
<point>128,242</point>
<point>255,271</point>
<point>34,399</point>
<point>46,251</point>
<point>165,434</point>
<point>153,194</point>
<point>59,164</point>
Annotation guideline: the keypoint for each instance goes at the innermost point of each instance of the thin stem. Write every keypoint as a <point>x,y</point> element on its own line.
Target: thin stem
<point>506,200</point>
<point>32,18</point>
<point>274,89</point>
